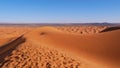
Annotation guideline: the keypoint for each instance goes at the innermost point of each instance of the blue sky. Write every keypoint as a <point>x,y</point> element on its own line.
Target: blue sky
<point>59,11</point>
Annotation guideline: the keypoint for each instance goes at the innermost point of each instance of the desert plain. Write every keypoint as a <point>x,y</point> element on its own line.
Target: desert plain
<point>66,46</point>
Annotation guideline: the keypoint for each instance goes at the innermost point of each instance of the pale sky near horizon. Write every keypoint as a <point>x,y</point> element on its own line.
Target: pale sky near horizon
<point>59,11</point>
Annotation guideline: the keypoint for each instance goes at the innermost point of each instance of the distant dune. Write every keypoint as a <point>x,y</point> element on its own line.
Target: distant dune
<point>81,29</point>
<point>63,46</point>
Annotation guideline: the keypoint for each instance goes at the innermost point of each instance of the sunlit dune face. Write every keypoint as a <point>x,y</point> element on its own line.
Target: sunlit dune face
<point>62,46</point>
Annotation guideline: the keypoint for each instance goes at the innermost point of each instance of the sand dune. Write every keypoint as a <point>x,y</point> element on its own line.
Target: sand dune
<point>81,29</point>
<point>30,54</point>
<point>6,40</point>
<point>36,56</point>
<point>110,29</point>
<point>13,31</point>
<point>33,55</point>
<point>51,47</point>
<point>103,47</point>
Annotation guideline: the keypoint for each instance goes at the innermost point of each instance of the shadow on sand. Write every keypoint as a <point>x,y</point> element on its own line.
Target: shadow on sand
<point>110,29</point>
<point>6,49</point>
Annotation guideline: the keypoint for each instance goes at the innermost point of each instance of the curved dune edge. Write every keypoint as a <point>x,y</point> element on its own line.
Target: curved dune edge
<point>48,47</point>
<point>6,40</point>
<point>33,55</point>
<point>97,48</point>
<point>7,48</point>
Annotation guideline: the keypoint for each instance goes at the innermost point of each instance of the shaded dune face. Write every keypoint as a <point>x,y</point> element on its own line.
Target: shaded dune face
<point>7,48</point>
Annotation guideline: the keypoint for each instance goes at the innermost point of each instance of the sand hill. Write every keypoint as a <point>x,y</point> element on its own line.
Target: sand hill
<point>81,29</point>
<point>51,47</point>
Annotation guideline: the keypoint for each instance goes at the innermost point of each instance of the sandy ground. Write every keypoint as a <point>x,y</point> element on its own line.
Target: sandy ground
<point>60,47</point>
<point>81,29</point>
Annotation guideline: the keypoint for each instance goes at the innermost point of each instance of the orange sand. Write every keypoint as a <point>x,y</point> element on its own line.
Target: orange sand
<point>61,47</point>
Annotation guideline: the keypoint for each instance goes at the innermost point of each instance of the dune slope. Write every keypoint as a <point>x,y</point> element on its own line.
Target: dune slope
<point>7,48</point>
<point>6,40</point>
<point>101,48</point>
<point>23,53</point>
<point>32,55</point>
<point>48,47</point>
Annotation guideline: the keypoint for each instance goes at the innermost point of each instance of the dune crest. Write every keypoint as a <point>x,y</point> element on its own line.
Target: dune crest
<point>33,55</point>
<point>110,29</point>
<point>81,29</point>
<point>49,47</point>
<point>97,48</point>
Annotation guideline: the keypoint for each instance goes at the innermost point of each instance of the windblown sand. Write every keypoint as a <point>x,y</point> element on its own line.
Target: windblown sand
<point>60,47</point>
<point>81,29</point>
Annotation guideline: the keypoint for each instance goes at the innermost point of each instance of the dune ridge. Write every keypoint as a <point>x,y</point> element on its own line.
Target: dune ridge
<point>7,48</point>
<point>111,29</point>
<point>98,47</point>
<point>6,40</point>
<point>81,29</point>
<point>49,47</point>
<point>33,55</point>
